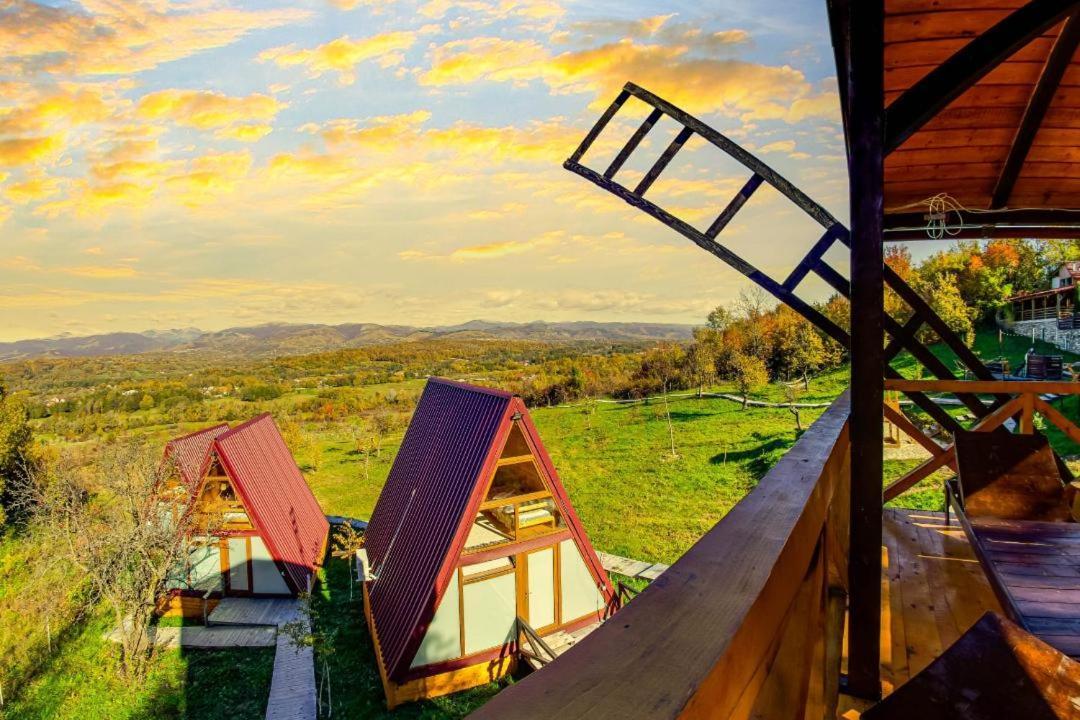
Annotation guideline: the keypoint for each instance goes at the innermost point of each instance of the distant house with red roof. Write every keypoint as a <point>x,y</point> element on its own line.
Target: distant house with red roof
<point>472,531</point>
<point>1050,304</point>
<point>258,529</point>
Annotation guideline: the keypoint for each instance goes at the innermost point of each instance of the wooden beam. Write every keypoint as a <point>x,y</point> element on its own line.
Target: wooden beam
<point>920,473</point>
<point>1012,387</point>
<point>1054,415</point>
<point>632,143</point>
<point>866,98</point>
<point>1041,97</point>
<point>952,78</point>
<point>980,231</point>
<point>991,422</point>
<point>1027,414</point>
<point>901,421</point>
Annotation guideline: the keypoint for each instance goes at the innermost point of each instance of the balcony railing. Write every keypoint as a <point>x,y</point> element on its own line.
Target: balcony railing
<point>1043,313</point>
<point>748,623</point>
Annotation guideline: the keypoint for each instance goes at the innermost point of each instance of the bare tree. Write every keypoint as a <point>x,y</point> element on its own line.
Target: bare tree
<point>663,365</point>
<point>792,394</point>
<point>126,530</point>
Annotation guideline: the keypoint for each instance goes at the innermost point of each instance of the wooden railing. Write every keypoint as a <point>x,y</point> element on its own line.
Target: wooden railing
<point>1025,402</point>
<point>531,643</point>
<point>1043,313</point>
<point>748,623</point>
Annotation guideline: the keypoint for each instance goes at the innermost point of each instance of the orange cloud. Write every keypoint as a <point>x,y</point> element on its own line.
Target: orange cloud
<point>92,199</point>
<point>489,251</point>
<point>344,54</point>
<point>204,110</point>
<point>29,150</point>
<point>732,87</point>
<point>209,176</point>
<point>542,141</point>
<point>244,133</point>
<point>103,37</point>
<point>99,271</point>
<point>80,106</point>
<point>32,190</point>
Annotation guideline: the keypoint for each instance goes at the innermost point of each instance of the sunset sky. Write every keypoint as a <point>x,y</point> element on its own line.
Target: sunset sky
<point>173,164</point>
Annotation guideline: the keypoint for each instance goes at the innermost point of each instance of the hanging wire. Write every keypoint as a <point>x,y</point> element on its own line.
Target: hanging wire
<point>941,205</point>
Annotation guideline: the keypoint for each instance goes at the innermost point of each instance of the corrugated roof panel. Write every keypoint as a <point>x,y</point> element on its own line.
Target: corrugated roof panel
<point>421,508</point>
<point>278,499</point>
<point>191,453</point>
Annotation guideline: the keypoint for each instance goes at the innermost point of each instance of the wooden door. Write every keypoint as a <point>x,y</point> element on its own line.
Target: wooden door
<point>539,588</point>
<point>239,565</point>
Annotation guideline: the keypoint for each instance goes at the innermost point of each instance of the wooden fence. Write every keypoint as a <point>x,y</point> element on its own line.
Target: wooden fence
<point>748,623</point>
<point>1026,400</point>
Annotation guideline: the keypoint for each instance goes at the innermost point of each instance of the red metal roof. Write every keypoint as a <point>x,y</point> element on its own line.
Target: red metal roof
<point>191,453</point>
<point>431,496</point>
<point>1042,293</point>
<point>278,500</point>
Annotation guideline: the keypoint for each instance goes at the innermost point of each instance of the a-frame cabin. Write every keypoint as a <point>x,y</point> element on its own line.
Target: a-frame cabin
<point>472,531</point>
<point>257,530</point>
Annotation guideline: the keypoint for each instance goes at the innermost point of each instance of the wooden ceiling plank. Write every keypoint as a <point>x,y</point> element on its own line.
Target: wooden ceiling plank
<point>1041,97</point>
<point>965,68</point>
<point>913,53</point>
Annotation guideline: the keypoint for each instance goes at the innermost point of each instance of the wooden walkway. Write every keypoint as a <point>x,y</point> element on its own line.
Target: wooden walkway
<point>292,686</point>
<point>631,568</point>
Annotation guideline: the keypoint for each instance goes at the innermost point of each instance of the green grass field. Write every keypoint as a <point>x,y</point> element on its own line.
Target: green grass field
<point>79,682</point>
<point>633,496</point>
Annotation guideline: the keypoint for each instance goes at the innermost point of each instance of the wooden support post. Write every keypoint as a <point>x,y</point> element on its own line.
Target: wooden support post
<point>1027,414</point>
<point>865,111</point>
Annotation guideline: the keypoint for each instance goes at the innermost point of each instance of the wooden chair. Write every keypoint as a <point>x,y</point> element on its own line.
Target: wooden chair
<point>1010,477</point>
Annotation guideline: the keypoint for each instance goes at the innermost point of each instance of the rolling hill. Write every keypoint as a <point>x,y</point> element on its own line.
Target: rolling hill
<point>274,339</point>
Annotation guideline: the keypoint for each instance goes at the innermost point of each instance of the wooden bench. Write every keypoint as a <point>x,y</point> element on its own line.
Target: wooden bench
<point>1011,499</point>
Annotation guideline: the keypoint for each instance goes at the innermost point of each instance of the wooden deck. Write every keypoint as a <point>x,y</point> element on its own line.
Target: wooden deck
<point>265,612</point>
<point>932,590</point>
<point>208,638</point>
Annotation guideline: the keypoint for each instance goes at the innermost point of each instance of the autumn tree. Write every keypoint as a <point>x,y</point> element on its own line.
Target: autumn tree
<point>701,358</point>
<point>750,374</point>
<point>15,440</point>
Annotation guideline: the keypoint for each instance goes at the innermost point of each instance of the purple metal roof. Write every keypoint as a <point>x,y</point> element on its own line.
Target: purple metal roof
<point>191,453</point>
<point>451,439</point>
<point>278,500</point>
<point>428,504</point>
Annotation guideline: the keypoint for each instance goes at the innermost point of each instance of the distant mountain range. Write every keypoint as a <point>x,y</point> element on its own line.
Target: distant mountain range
<point>276,339</point>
